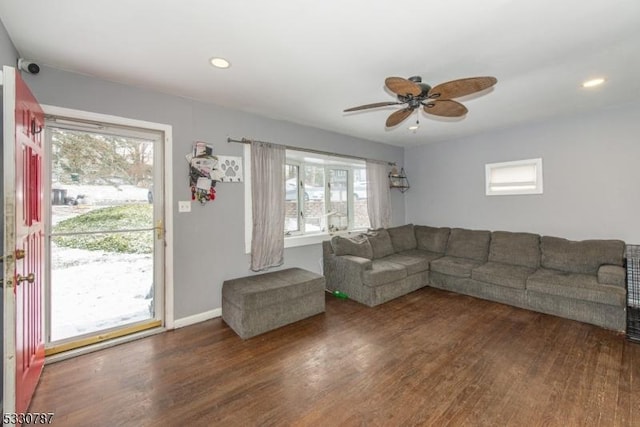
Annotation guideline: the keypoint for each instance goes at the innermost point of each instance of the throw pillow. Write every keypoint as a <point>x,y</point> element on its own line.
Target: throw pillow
<point>357,246</point>
<point>403,238</point>
<point>380,243</point>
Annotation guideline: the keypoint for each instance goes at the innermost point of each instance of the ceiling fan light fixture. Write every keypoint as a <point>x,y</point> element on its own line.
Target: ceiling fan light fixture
<point>220,62</point>
<point>417,125</point>
<point>593,82</point>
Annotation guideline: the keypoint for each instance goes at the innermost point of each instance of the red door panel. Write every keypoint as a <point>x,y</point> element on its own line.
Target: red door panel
<point>29,337</point>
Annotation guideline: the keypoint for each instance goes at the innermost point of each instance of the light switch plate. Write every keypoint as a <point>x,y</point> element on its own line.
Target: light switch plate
<point>184,206</point>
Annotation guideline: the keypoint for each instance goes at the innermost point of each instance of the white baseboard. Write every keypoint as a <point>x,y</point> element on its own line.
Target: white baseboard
<point>197,318</point>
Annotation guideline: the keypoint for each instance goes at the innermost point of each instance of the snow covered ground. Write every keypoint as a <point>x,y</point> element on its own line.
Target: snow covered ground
<point>104,194</point>
<point>94,290</point>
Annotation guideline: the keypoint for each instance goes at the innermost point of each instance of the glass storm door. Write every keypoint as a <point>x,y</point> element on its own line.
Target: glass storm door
<point>105,236</point>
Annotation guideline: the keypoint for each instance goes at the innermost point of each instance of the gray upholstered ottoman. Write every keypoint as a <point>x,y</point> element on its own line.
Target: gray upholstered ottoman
<point>257,304</point>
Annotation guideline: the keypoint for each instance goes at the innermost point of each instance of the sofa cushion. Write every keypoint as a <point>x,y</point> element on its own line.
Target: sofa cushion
<point>472,244</point>
<point>357,245</point>
<point>511,276</point>
<point>584,256</point>
<point>428,255</point>
<point>380,243</point>
<point>432,239</point>
<point>453,266</point>
<point>521,249</point>
<point>612,275</point>
<point>413,262</point>
<point>383,272</point>
<point>575,285</point>
<point>403,238</point>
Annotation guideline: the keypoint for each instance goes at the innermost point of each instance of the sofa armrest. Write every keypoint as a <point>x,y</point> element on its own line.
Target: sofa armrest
<point>611,275</point>
<point>362,263</point>
<point>345,273</point>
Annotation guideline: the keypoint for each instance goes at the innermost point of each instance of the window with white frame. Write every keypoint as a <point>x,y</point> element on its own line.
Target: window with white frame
<point>516,177</point>
<point>324,194</point>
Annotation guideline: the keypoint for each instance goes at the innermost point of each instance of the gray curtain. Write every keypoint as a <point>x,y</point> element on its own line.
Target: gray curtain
<point>268,194</point>
<point>378,195</point>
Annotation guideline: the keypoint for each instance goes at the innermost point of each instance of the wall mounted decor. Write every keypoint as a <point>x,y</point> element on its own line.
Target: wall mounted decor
<point>203,172</point>
<point>230,169</point>
<point>398,180</point>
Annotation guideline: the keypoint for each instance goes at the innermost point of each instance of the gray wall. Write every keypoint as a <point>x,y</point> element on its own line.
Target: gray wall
<point>591,178</point>
<point>209,241</point>
<point>8,52</point>
<point>8,56</point>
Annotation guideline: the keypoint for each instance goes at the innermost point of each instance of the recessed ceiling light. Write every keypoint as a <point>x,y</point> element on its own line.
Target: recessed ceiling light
<point>593,82</point>
<point>220,62</point>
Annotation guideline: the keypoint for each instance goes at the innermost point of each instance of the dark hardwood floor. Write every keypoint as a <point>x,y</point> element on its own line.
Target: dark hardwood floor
<point>428,358</point>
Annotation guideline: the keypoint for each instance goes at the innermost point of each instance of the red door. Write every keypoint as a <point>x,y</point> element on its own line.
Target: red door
<point>24,242</point>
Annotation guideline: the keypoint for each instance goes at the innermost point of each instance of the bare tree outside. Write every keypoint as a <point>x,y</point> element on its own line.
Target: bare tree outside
<point>94,158</point>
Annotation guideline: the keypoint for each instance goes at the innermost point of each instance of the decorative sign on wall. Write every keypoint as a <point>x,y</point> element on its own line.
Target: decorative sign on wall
<point>230,168</point>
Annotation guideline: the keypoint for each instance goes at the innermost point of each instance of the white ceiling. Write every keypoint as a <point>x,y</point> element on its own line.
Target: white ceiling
<point>306,61</point>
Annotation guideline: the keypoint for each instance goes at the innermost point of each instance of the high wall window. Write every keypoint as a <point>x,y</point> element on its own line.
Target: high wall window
<point>517,177</point>
<point>324,194</point>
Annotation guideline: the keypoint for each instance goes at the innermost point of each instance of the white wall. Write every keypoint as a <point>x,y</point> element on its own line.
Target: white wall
<point>209,241</point>
<point>591,167</point>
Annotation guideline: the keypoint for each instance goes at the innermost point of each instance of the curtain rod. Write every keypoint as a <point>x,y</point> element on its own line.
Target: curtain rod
<point>309,150</point>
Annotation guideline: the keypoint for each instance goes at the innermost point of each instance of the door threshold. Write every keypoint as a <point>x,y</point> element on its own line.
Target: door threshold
<point>101,341</point>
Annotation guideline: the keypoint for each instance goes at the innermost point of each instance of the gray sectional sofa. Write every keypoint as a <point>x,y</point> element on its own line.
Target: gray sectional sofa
<point>579,280</point>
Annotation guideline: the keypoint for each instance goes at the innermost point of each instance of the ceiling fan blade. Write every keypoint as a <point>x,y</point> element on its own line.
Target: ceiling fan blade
<point>401,86</point>
<point>445,108</point>
<point>461,87</point>
<point>377,104</point>
<point>398,116</point>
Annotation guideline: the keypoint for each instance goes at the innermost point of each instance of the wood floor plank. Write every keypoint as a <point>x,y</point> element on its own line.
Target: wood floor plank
<point>429,358</point>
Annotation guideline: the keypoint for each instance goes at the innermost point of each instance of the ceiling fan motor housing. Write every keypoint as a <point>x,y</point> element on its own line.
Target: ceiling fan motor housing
<point>425,87</point>
<point>414,101</point>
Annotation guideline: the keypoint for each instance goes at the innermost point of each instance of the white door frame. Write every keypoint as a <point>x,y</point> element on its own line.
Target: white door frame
<point>168,187</point>
<point>9,309</point>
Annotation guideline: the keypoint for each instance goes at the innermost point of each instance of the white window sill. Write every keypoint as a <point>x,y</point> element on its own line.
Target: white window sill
<point>314,239</point>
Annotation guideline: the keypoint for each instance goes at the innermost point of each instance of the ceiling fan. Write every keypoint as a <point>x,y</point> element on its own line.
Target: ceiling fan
<point>434,100</point>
